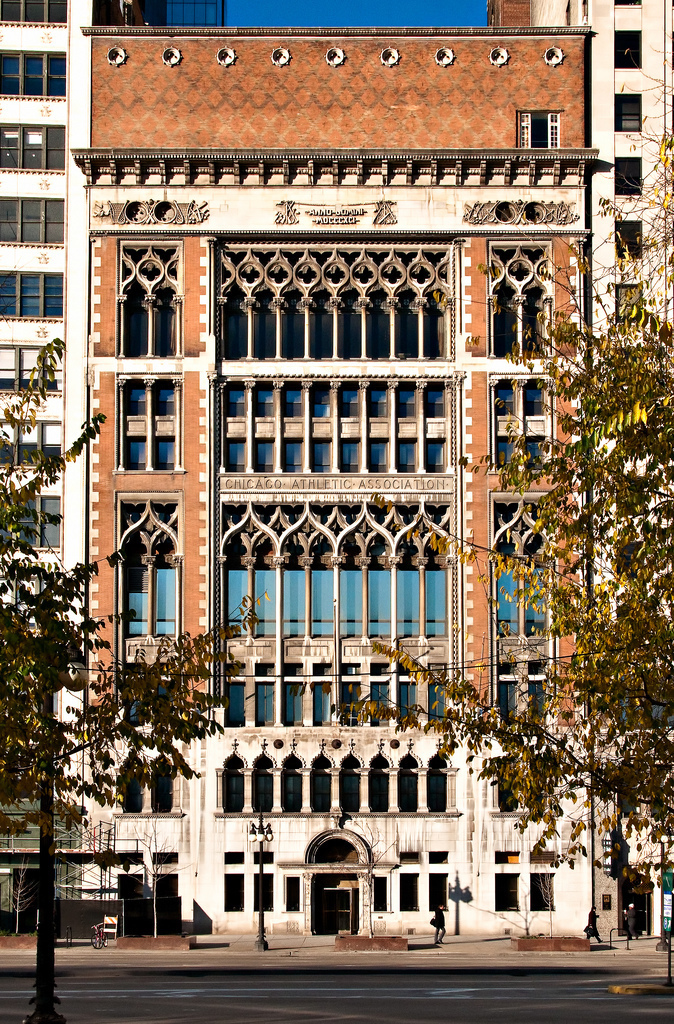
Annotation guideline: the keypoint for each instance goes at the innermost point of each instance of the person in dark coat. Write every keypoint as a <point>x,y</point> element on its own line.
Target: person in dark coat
<point>439,921</point>
<point>631,921</point>
<point>591,927</point>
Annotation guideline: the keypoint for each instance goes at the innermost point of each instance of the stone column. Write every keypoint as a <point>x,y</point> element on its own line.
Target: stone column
<point>393,790</point>
<point>250,424</point>
<point>363,305</point>
<point>419,306</point>
<point>334,419</point>
<point>249,305</point>
<point>178,423</point>
<point>422,792</point>
<point>337,560</point>
<point>392,304</point>
<point>394,562</point>
<point>392,412</point>
<point>278,425</point>
<point>278,562</point>
<point>149,423</point>
<point>149,562</point>
<point>306,414</point>
<point>421,425</point>
<point>335,305</point>
<point>249,564</point>
<point>305,305</point>
<point>334,789</point>
<point>362,408</point>
<point>306,790</point>
<point>421,562</point>
<point>149,304</point>
<point>363,562</point>
<point>306,561</point>
<point>121,424</point>
<point>277,304</point>
<point>247,791</point>
<point>177,305</point>
<point>276,792</point>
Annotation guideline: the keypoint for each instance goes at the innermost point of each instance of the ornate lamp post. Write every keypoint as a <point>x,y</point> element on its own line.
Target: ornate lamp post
<point>259,833</point>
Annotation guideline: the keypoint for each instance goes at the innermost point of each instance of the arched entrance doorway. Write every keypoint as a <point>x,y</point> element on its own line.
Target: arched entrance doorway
<point>335,887</point>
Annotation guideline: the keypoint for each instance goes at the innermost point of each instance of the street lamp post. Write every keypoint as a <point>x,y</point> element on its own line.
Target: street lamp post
<point>258,834</point>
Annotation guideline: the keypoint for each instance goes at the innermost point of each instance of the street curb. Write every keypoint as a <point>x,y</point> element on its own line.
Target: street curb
<point>641,990</point>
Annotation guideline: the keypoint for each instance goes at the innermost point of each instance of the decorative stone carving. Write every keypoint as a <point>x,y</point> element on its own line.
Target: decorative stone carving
<point>280,57</point>
<point>226,56</point>
<point>390,57</point>
<point>172,56</point>
<point>117,56</point>
<point>152,211</point>
<point>553,56</point>
<point>384,213</point>
<point>516,212</point>
<point>335,56</point>
<point>444,56</point>
<point>499,56</point>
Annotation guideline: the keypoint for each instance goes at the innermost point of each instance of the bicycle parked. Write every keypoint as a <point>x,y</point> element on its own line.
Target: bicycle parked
<point>98,936</point>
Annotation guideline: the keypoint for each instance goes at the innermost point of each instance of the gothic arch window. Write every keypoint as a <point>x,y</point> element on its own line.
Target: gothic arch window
<point>515,537</point>
<point>291,785</point>
<point>150,569</point>
<point>349,785</point>
<point>312,295</point>
<point>379,589</point>
<point>232,785</point>
<point>150,297</point>
<point>133,797</point>
<point>520,287</point>
<point>161,795</point>
<point>408,782</point>
<point>436,785</point>
<point>378,784</point>
<point>263,785</point>
<point>321,785</point>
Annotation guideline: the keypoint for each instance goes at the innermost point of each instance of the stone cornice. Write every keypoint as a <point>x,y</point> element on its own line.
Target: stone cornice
<point>447,167</point>
<point>119,31</point>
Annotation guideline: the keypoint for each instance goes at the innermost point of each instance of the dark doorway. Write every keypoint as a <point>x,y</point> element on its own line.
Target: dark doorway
<point>335,904</point>
<point>643,904</point>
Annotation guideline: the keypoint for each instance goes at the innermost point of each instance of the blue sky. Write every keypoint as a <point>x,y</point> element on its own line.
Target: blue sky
<point>356,12</point>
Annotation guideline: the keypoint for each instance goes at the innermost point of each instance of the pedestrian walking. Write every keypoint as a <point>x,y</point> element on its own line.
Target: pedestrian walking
<point>631,918</point>
<point>591,926</point>
<point>438,923</point>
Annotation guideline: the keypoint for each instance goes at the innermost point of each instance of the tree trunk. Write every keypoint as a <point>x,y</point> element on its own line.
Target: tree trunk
<point>154,905</point>
<point>45,1012</point>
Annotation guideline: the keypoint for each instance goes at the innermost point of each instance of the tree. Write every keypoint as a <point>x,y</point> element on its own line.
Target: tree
<point>597,743</point>
<point>156,855</point>
<point>24,891</point>
<point>127,722</point>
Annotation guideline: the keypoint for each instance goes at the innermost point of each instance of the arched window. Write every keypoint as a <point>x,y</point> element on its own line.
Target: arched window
<point>291,785</point>
<point>235,325</point>
<point>349,785</point>
<point>378,321</point>
<point>232,785</point>
<point>263,785</point>
<point>264,327</point>
<point>162,792</point>
<point>378,784</point>
<point>135,322</point>
<point>408,782</point>
<point>321,785</point>
<point>349,327</point>
<point>407,327</point>
<point>133,798</point>
<point>150,585</point>
<point>165,323</point>
<point>321,321</point>
<point>292,324</point>
<point>436,785</point>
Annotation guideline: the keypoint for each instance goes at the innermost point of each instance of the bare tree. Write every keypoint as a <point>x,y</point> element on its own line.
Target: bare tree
<point>545,884</point>
<point>156,855</point>
<point>24,892</point>
<point>377,853</point>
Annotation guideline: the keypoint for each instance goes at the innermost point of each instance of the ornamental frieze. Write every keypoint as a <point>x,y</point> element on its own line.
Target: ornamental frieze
<point>290,212</point>
<point>152,211</point>
<point>518,212</point>
<point>360,486</point>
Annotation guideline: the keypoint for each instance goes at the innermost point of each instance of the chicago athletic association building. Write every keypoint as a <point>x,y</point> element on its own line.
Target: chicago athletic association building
<point>290,312</point>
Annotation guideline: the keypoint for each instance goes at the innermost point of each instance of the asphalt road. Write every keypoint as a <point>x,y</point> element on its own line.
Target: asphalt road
<point>332,996</point>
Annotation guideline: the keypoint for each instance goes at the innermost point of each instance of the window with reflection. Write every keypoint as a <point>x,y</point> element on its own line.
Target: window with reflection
<point>292,695</point>
<point>350,694</point>
<point>322,694</point>
<point>378,784</point>
<point>291,785</point>
<point>349,785</point>
<point>436,784</point>
<point>322,602</point>
<point>321,785</point>
<point>263,791</point>
<point>408,781</point>
<point>379,602</point>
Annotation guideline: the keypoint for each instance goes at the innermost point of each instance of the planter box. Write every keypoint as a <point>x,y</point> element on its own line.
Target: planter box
<point>557,944</point>
<point>362,943</point>
<point>18,941</point>
<point>161,942</point>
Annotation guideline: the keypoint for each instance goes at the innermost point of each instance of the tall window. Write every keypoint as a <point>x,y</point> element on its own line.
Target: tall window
<point>516,615</point>
<point>408,781</point>
<point>539,129</point>
<point>235,326</point>
<point>291,785</point>
<point>265,599</point>
<point>436,601</point>
<point>322,695</point>
<point>379,688</point>
<point>150,429</point>
<point>436,785</point>
<point>321,785</point>
<point>350,602</point>
<point>321,327</point>
<point>292,322</point>
<point>378,784</point>
<point>264,327</point>
<point>350,694</point>
<point>263,793</point>
<point>519,288</point>
<point>379,602</point>
<point>233,785</point>
<point>294,611</point>
<point>408,602</point>
<point>264,694</point>
<point>150,300</point>
<point>628,50</point>
<point>321,602</point>
<point>150,573</point>
<point>349,785</point>
<point>292,686</point>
